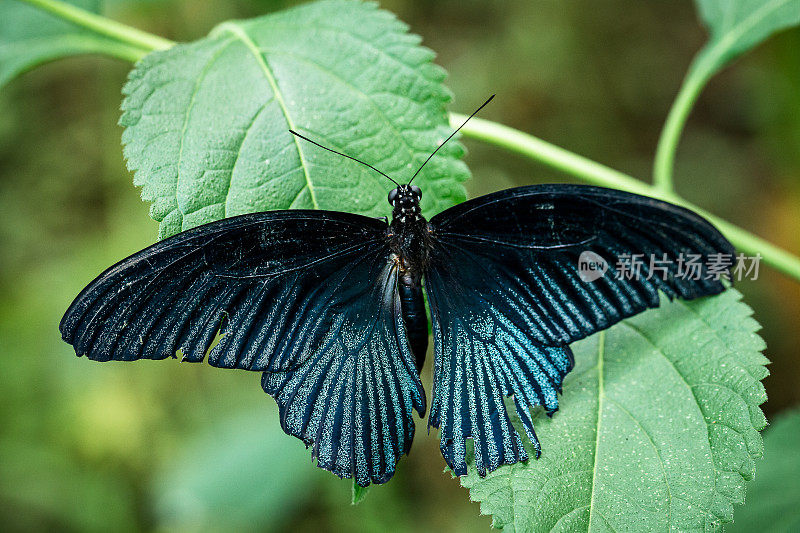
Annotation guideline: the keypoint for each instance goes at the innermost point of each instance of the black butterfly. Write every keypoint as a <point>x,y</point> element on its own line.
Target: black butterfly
<point>328,306</point>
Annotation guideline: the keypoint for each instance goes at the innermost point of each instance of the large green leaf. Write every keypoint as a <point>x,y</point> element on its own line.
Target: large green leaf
<point>658,428</point>
<point>207,122</point>
<point>773,498</point>
<point>30,36</point>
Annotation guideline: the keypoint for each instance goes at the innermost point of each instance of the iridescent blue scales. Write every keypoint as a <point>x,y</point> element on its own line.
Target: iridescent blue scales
<point>311,300</point>
<point>352,400</point>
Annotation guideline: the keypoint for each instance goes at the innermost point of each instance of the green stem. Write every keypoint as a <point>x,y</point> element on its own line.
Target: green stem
<point>700,72</point>
<point>116,49</point>
<point>597,174</point>
<point>549,154</point>
<point>127,35</point>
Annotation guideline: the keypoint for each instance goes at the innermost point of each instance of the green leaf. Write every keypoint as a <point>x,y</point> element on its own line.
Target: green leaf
<point>30,37</point>
<point>774,495</point>
<point>736,26</point>
<point>206,123</point>
<point>359,493</point>
<point>242,474</point>
<point>658,428</point>
<point>739,25</point>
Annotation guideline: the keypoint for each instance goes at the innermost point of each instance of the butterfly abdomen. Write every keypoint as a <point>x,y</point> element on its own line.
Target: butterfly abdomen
<point>412,305</point>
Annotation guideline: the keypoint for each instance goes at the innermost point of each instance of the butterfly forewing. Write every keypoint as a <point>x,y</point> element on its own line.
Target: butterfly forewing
<point>507,297</point>
<point>307,297</point>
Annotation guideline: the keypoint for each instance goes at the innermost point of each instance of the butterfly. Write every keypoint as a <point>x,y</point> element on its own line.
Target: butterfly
<point>328,306</point>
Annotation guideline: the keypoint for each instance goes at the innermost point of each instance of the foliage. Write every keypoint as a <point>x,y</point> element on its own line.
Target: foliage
<point>207,123</point>
<point>243,464</point>
<point>739,25</point>
<point>772,498</point>
<point>359,493</point>
<point>658,428</point>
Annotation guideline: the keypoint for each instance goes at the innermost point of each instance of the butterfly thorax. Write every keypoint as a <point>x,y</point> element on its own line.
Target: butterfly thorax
<point>409,233</point>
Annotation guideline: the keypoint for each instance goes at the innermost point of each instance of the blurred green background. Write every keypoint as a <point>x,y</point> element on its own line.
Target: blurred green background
<point>169,446</point>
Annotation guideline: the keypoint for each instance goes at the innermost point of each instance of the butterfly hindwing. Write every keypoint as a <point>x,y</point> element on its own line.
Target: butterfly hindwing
<point>309,298</point>
<point>506,298</point>
<point>352,399</point>
<point>481,358</point>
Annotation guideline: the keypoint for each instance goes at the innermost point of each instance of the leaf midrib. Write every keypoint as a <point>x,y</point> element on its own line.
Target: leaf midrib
<point>237,31</point>
<point>601,342</point>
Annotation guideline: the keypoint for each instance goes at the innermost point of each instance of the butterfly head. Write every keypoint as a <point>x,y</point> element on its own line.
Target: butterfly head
<point>405,202</point>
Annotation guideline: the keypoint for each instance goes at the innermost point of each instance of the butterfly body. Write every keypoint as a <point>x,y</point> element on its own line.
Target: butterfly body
<point>409,236</point>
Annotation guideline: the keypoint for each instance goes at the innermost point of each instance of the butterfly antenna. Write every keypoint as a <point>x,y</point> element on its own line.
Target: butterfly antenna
<point>451,136</point>
<point>343,155</point>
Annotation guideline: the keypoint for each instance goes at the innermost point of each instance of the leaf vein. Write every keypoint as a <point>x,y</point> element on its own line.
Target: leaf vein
<point>261,59</point>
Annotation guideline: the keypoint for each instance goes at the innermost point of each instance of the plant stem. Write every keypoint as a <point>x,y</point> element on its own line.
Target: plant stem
<point>89,44</point>
<point>597,174</point>
<point>132,37</point>
<point>701,70</point>
<point>549,154</point>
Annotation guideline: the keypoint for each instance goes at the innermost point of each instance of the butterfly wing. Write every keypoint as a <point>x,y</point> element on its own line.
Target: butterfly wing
<point>506,299</point>
<point>309,298</point>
